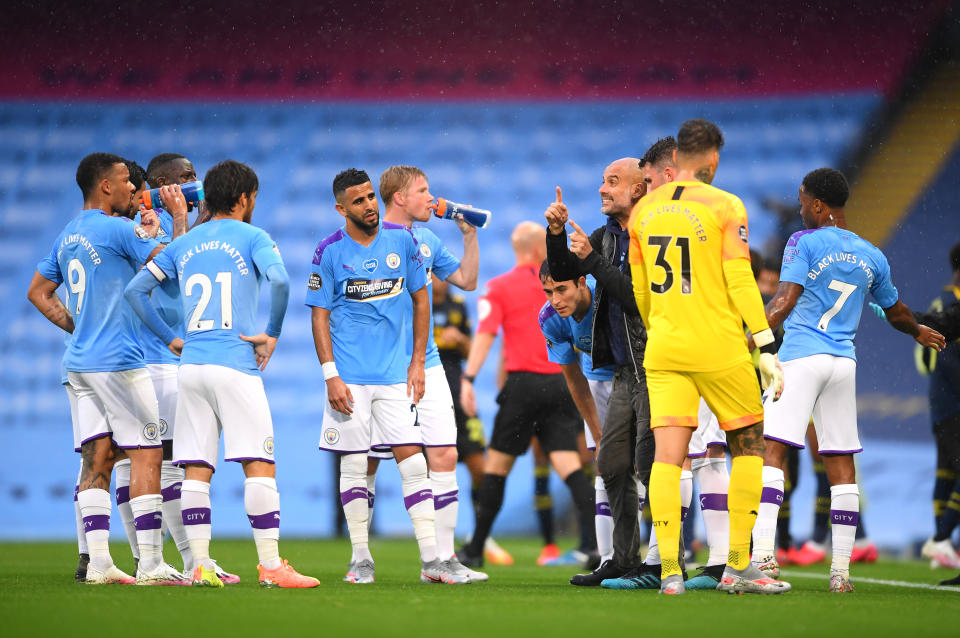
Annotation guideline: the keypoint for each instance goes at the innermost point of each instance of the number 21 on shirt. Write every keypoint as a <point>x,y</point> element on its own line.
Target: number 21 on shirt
<point>197,322</point>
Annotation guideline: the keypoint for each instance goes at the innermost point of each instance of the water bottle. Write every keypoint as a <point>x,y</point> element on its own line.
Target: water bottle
<point>192,192</point>
<point>445,209</point>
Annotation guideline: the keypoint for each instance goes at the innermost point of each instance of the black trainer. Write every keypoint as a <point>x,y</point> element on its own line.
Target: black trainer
<point>608,569</point>
<point>469,561</point>
<point>952,581</point>
<point>81,575</point>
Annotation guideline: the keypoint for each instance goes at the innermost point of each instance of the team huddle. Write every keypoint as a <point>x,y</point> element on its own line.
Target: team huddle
<point>644,341</point>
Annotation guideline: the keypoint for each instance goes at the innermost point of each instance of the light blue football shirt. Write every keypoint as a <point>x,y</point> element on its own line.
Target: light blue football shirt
<point>439,262</point>
<point>836,269</point>
<point>218,267</point>
<point>95,256</point>
<point>166,299</point>
<point>569,340</point>
<point>364,288</point>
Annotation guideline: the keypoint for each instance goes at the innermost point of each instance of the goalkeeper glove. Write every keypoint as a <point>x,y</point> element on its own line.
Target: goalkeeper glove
<point>771,374</point>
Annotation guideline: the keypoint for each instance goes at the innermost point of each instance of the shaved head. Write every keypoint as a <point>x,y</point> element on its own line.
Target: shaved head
<point>622,187</point>
<point>529,241</point>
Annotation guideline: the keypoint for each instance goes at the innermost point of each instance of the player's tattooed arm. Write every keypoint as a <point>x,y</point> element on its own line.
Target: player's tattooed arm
<point>43,294</point>
<point>747,441</point>
<point>782,303</point>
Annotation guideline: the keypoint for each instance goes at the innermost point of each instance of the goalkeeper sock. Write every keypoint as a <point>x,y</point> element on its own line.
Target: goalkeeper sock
<point>665,509</point>
<point>746,483</point>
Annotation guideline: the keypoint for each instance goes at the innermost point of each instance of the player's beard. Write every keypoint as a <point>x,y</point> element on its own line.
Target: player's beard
<point>361,223</point>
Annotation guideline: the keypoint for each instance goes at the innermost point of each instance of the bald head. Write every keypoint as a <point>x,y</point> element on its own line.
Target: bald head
<point>622,187</point>
<point>529,241</point>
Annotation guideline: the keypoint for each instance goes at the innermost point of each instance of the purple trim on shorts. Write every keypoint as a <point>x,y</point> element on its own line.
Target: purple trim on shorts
<point>592,448</point>
<point>95,436</point>
<point>417,497</point>
<point>240,459</point>
<point>196,516</point>
<point>772,495</point>
<point>683,513</point>
<point>844,517</point>
<point>857,451</point>
<point>390,446</point>
<point>137,447</point>
<point>438,445</point>
<point>442,500</point>
<point>790,443</point>
<point>715,502</point>
<point>353,494</point>
<point>172,492</point>
<point>336,451</point>
<point>270,520</point>
<point>123,495</point>
<point>697,456</point>
<point>152,520</point>
<point>193,462</point>
<point>96,522</point>
<point>77,450</point>
<point>717,443</point>
<point>603,509</point>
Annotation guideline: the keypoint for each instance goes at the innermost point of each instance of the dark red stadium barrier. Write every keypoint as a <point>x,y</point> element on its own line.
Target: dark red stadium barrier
<point>457,50</point>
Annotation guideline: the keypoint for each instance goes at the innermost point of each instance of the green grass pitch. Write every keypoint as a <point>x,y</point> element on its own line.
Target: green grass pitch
<point>39,598</point>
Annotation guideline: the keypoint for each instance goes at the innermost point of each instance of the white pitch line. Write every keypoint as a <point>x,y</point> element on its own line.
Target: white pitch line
<point>874,581</point>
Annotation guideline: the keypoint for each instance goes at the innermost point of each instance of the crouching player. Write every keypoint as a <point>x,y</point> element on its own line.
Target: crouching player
<point>219,266</point>
<point>566,321</point>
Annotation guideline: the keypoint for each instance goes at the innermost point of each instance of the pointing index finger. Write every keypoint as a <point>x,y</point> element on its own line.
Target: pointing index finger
<point>575,227</point>
<point>559,195</point>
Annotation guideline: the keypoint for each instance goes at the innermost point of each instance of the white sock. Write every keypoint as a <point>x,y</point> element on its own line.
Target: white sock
<point>418,499</point>
<point>122,471</point>
<point>641,498</point>
<point>171,479</point>
<point>713,479</point>
<point>95,509</point>
<point>148,519</point>
<point>354,498</point>
<point>603,522</point>
<point>371,497</point>
<point>195,515</point>
<point>262,502</point>
<point>844,516</point>
<point>653,549</point>
<point>765,529</point>
<point>686,493</point>
<point>81,535</point>
<point>446,506</point>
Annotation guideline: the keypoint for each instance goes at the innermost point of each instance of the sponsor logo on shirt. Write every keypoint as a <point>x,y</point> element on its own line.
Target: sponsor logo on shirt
<point>314,282</point>
<point>370,265</point>
<point>743,234</point>
<point>372,289</point>
<point>393,261</point>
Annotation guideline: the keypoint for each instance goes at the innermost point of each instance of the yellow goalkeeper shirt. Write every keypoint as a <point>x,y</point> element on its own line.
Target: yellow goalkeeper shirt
<point>690,260</point>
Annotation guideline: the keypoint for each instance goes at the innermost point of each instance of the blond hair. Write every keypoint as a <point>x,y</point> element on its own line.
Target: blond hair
<point>395,179</point>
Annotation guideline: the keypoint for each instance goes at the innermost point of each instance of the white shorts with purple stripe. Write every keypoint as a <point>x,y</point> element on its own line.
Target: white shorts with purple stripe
<point>600,390</point>
<point>165,383</point>
<point>121,404</point>
<point>383,417</point>
<point>822,386</point>
<point>216,398</point>
<point>708,432</point>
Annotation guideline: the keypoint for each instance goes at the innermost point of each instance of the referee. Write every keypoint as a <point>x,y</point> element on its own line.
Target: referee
<point>534,399</point>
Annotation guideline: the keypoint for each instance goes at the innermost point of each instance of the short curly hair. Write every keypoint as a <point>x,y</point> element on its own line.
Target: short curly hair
<point>828,185</point>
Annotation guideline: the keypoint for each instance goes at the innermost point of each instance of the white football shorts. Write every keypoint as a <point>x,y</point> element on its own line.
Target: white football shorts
<point>383,417</point>
<point>600,390</point>
<point>165,381</point>
<point>216,398</point>
<point>822,386</point>
<point>708,432</point>
<point>122,404</point>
